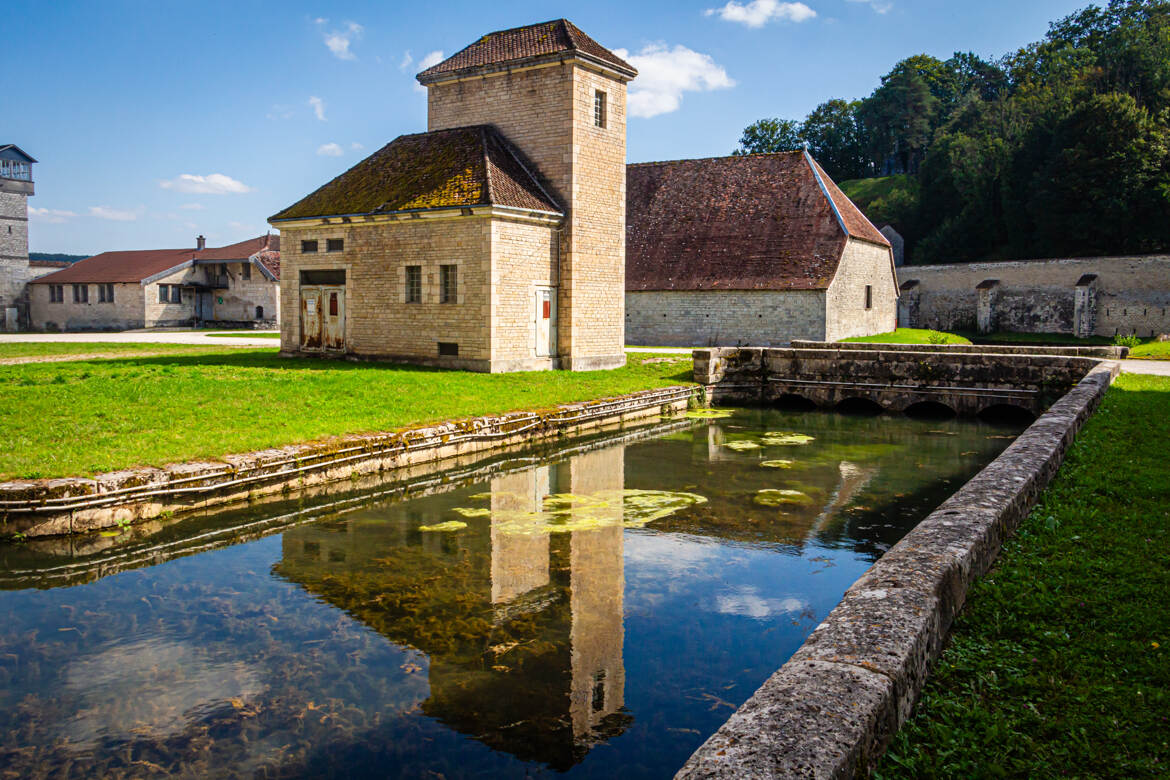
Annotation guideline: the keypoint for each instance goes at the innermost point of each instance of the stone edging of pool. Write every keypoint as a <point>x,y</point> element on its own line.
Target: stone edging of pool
<point>832,709</point>
<point>55,507</point>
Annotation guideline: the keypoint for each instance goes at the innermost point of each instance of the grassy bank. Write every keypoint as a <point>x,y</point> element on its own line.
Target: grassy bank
<point>912,336</point>
<point>1057,667</point>
<point>74,418</point>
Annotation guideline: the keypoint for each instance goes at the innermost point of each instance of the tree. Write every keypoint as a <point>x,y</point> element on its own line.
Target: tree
<point>834,135</point>
<point>770,135</point>
<point>897,118</point>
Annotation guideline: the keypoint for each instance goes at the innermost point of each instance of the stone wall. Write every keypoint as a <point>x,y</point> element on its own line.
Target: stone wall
<point>703,318</point>
<point>124,313</point>
<point>14,269</point>
<point>378,321</point>
<point>524,256</point>
<point>547,112</point>
<point>846,316</point>
<point>1127,295</point>
<point>244,295</point>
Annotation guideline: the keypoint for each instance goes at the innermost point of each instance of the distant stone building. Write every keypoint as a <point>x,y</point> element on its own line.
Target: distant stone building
<point>231,286</point>
<point>16,186</point>
<point>1089,296</point>
<point>754,250</point>
<point>492,242</point>
<point>897,244</point>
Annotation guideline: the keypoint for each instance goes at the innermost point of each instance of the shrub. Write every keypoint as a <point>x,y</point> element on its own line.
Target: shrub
<point>934,337</point>
<point>1130,341</point>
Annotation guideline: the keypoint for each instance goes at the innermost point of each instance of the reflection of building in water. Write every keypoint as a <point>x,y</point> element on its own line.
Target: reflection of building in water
<point>523,632</point>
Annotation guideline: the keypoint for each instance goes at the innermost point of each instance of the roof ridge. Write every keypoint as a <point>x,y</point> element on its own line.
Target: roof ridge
<point>812,167</point>
<point>487,167</point>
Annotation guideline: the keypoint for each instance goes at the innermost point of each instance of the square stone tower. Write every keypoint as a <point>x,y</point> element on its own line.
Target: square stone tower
<point>560,97</point>
<point>16,185</point>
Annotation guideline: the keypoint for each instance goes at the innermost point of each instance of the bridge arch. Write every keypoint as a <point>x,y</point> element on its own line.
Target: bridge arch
<point>1007,413</point>
<point>859,405</point>
<point>793,402</point>
<point>930,410</point>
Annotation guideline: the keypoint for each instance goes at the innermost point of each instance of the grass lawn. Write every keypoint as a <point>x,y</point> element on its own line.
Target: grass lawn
<point>53,348</point>
<point>1058,665</point>
<point>244,334</point>
<point>75,418</point>
<point>1049,339</point>
<point>910,336</point>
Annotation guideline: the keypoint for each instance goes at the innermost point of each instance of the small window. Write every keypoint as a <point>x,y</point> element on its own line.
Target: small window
<point>332,304</point>
<point>414,284</point>
<point>177,294</point>
<point>336,277</point>
<point>308,247</point>
<point>448,283</point>
<point>223,269</point>
<point>81,293</point>
<point>105,293</point>
<point>259,312</point>
<point>869,296</point>
<point>448,348</point>
<point>246,271</point>
<point>599,108</point>
<point>334,244</point>
<point>163,293</point>
<point>56,293</point>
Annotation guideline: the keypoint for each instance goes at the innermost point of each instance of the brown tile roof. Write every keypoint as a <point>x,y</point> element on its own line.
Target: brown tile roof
<point>758,222</point>
<point>525,43</point>
<point>135,265</point>
<point>459,167</point>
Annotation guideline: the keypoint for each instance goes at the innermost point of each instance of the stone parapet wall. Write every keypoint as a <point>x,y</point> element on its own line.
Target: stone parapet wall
<point>696,318</point>
<point>124,313</point>
<point>1128,295</point>
<point>832,709</point>
<point>1106,352</point>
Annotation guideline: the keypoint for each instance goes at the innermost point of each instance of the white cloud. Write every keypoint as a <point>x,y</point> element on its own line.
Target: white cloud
<point>746,601</point>
<point>330,150</point>
<point>117,215</point>
<point>757,13</point>
<point>406,60</point>
<point>318,106</point>
<point>430,59</point>
<point>356,146</point>
<point>212,184</point>
<point>53,216</point>
<point>281,111</point>
<point>193,206</point>
<point>877,5</point>
<point>339,41</point>
<point>664,74</point>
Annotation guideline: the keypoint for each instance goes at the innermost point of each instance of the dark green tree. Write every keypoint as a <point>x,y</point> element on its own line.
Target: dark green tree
<point>770,135</point>
<point>834,135</point>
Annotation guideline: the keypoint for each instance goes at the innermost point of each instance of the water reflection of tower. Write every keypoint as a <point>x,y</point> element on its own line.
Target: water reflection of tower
<point>520,565</point>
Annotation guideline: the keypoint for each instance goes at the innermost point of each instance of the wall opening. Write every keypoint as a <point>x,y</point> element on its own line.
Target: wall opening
<point>791,402</point>
<point>860,406</point>
<point>1008,414</point>
<point>930,410</point>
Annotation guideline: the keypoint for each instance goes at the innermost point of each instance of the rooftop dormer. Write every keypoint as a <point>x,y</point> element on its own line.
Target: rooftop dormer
<point>15,170</point>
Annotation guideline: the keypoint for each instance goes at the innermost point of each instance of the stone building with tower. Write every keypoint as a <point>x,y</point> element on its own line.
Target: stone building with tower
<point>16,186</point>
<point>495,241</point>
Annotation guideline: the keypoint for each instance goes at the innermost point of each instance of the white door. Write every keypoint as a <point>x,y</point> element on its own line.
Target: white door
<point>545,312</point>
<point>311,318</point>
<point>333,316</point>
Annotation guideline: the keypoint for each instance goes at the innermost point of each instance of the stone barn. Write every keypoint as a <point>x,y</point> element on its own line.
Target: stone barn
<point>750,250</point>
<point>492,242</point>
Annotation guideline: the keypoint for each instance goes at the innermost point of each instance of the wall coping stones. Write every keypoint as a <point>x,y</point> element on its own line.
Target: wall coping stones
<point>1105,352</point>
<point>832,709</point>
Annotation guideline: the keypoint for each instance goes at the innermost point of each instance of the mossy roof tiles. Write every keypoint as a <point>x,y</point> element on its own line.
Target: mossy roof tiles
<point>454,168</point>
<point>525,43</point>
<point>757,222</point>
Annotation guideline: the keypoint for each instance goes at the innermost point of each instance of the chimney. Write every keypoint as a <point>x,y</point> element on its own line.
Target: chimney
<point>200,243</point>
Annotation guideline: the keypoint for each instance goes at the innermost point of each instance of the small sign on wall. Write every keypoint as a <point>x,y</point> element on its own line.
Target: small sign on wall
<point>219,300</point>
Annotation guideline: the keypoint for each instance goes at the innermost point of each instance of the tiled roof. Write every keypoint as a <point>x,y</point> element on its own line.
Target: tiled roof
<point>758,222</point>
<point>524,43</point>
<point>459,167</point>
<point>136,265</point>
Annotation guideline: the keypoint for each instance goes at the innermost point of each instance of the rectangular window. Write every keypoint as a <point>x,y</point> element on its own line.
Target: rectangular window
<point>869,296</point>
<point>105,293</point>
<point>176,294</point>
<point>448,283</point>
<point>308,247</point>
<point>599,108</point>
<point>223,269</point>
<point>246,271</point>
<point>56,293</point>
<point>334,244</point>
<point>448,349</point>
<point>163,293</point>
<point>335,277</point>
<point>81,293</point>
<point>414,284</point>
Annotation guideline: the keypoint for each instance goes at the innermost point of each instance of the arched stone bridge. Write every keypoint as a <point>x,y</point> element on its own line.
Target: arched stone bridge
<point>895,378</point>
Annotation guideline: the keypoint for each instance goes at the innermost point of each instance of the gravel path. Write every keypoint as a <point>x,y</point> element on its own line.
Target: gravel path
<point>143,337</point>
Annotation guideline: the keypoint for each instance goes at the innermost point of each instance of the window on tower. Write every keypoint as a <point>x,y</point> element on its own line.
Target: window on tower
<point>599,108</point>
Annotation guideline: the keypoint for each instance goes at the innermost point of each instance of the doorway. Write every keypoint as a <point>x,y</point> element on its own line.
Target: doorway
<point>545,319</point>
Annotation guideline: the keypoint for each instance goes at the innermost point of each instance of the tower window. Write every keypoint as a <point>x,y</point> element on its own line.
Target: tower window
<point>414,284</point>
<point>599,108</point>
<point>448,283</point>
<point>334,244</point>
<point>308,247</point>
<point>869,296</point>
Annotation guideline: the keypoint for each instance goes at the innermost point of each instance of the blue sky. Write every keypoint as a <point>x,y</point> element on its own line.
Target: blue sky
<point>155,121</point>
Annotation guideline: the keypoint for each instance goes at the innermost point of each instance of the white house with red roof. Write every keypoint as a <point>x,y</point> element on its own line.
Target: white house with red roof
<point>231,286</point>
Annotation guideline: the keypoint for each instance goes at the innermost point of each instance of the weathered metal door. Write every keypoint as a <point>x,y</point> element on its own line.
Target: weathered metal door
<point>311,321</point>
<point>546,320</point>
<point>333,317</point>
